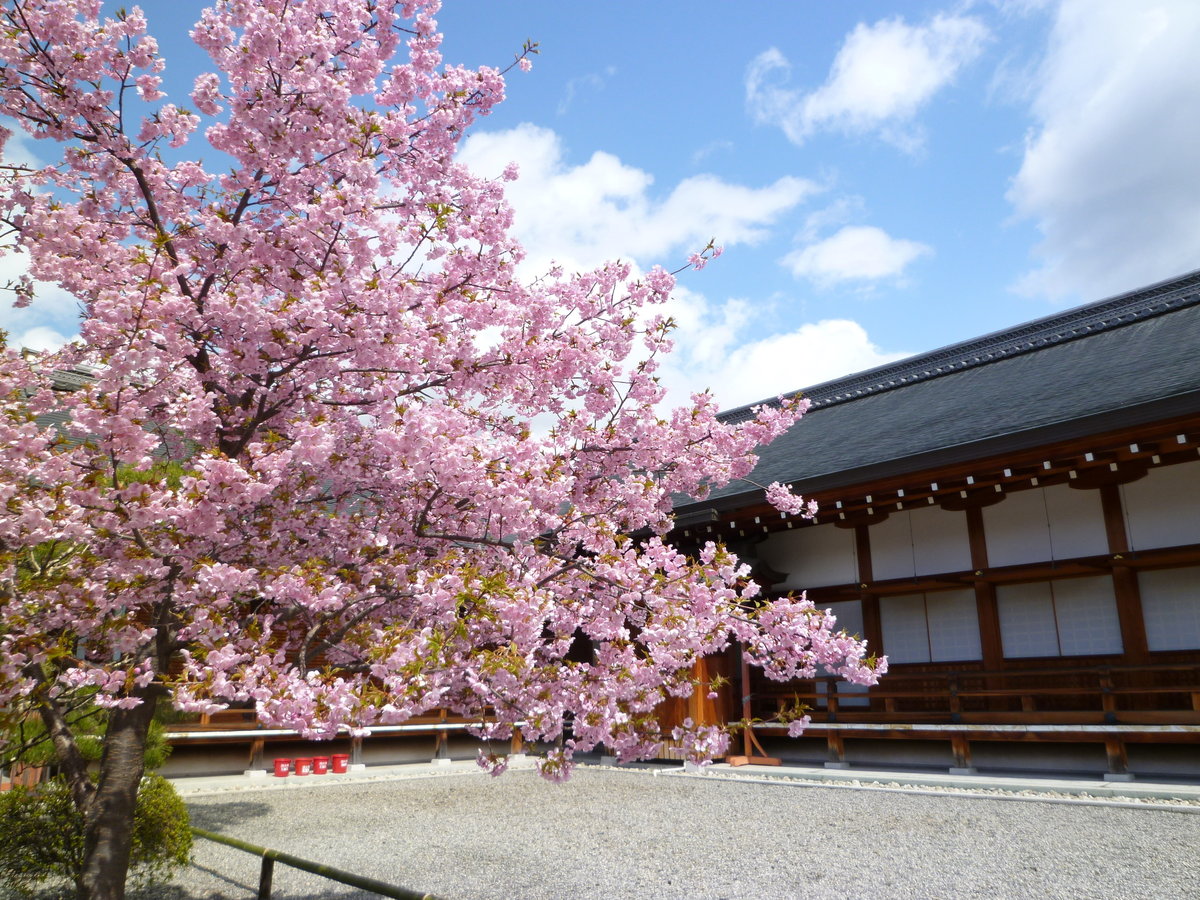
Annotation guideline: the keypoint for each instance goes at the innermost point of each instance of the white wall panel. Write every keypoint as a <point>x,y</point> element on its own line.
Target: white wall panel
<point>850,620</point>
<point>1017,529</point>
<point>940,540</point>
<point>849,616</point>
<point>1076,522</point>
<point>1171,606</point>
<point>1163,508</point>
<point>953,626</point>
<point>905,633</point>
<point>1027,625</point>
<point>892,548</point>
<point>812,556</point>
<point>1086,610</point>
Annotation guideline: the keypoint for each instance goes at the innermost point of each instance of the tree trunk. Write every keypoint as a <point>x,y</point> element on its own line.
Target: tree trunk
<point>108,820</point>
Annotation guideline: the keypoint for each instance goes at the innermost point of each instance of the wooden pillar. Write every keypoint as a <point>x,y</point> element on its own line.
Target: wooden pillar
<point>1118,758</point>
<point>872,626</point>
<point>258,754</point>
<point>987,610</point>
<point>837,751</point>
<point>985,594</point>
<point>960,746</point>
<point>1125,583</point>
<point>872,623</point>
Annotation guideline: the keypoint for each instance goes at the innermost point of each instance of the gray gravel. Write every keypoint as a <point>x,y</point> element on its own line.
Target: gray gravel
<point>633,834</point>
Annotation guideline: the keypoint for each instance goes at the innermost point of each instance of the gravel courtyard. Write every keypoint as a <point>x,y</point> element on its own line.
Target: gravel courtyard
<point>637,834</point>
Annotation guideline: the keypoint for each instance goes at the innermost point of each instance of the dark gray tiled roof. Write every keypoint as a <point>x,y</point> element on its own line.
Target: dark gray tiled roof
<point>1122,361</point>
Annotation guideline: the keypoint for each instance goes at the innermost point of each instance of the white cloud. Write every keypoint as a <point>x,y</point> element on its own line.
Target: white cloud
<point>712,354</point>
<point>38,338</point>
<point>592,80</point>
<point>604,209</point>
<point>882,76</point>
<point>855,253</point>
<point>52,318</point>
<point>1109,173</point>
<point>48,322</point>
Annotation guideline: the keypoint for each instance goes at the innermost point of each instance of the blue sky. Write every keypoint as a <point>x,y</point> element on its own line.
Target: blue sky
<point>886,177</point>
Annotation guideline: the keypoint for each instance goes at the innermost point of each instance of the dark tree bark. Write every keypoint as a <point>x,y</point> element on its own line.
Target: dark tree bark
<point>108,817</point>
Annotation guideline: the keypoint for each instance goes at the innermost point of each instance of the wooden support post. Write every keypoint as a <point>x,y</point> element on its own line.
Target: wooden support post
<point>441,745</point>
<point>258,754</point>
<point>265,876</point>
<point>986,608</point>
<point>1118,759</point>
<point>960,746</point>
<point>750,741</point>
<point>837,751</point>
<point>831,699</point>
<point>1125,584</point>
<point>1108,700</point>
<point>356,754</point>
<point>872,622</point>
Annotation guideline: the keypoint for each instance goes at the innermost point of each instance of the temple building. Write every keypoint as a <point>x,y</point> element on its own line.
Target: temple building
<point>1015,522</point>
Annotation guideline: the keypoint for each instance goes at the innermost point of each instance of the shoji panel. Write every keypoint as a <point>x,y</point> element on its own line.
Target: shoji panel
<point>1027,625</point>
<point>850,620</point>
<point>953,626</point>
<point>849,616</point>
<point>905,633</point>
<point>1163,508</point>
<point>1087,616</point>
<point>1171,605</point>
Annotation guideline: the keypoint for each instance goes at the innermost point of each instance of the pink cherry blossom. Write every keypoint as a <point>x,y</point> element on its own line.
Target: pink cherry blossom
<point>335,457</point>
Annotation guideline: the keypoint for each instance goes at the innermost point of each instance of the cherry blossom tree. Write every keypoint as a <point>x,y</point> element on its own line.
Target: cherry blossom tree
<point>336,456</point>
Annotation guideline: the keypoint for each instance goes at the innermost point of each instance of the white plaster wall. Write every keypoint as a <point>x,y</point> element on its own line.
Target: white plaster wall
<point>1162,509</point>
<point>1171,606</point>
<point>940,540</point>
<point>922,541</point>
<point>1017,529</point>
<point>1041,524</point>
<point>892,548</point>
<point>812,556</point>
<point>1076,522</point>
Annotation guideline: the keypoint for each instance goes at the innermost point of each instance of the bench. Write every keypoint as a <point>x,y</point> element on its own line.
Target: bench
<point>224,729</point>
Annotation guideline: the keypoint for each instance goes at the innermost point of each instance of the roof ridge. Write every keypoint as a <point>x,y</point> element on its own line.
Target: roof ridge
<point>1072,324</point>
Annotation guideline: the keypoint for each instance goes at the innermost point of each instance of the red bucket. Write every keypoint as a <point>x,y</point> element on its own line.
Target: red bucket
<point>283,768</point>
<point>303,765</point>
<point>320,765</point>
<point>340,763</point>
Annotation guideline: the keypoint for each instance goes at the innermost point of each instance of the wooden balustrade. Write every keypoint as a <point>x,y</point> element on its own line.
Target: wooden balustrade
<point>1109,704</point>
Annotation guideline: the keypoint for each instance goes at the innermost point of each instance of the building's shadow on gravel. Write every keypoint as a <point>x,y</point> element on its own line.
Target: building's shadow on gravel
<point>212,816</point>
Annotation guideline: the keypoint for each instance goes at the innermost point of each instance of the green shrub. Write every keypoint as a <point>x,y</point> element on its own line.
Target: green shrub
<point>41,836</point>
<point>27,741</point>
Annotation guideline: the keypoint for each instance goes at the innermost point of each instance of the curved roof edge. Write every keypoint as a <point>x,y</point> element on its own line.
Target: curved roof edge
<point>1081,321</point>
